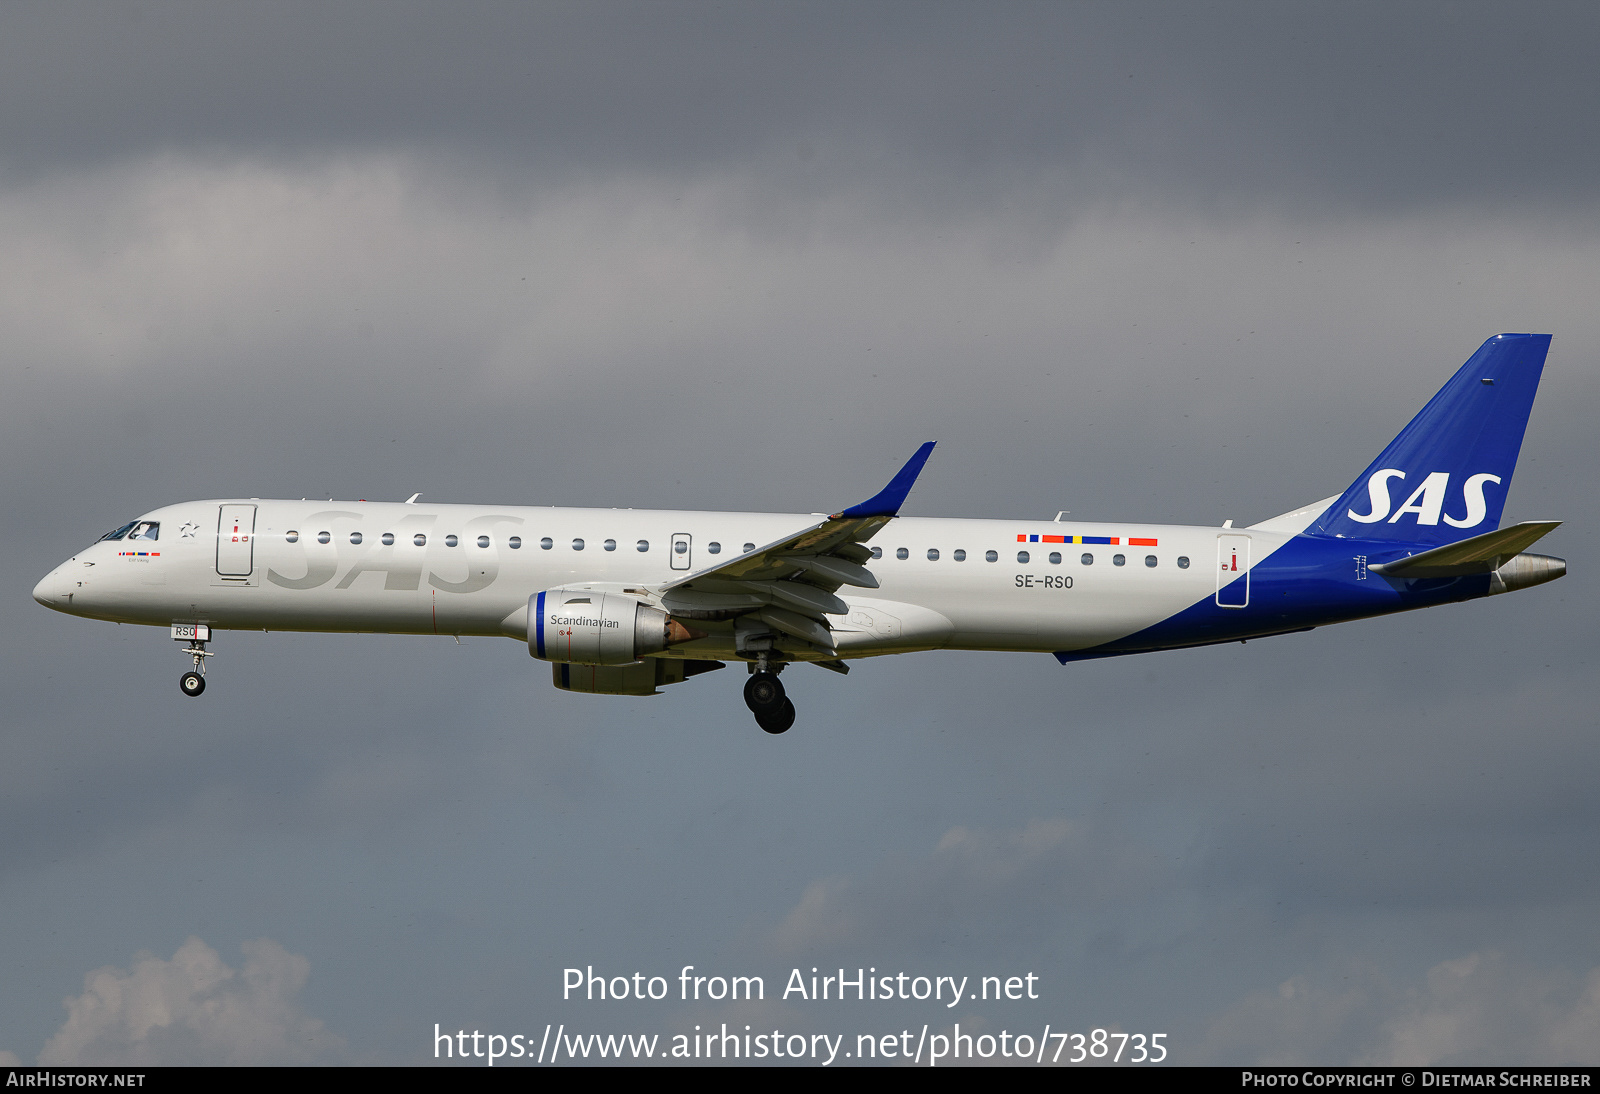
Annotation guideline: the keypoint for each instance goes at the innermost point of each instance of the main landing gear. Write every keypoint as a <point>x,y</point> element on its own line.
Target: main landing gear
<point>194,682</point>
<point>763,694</point>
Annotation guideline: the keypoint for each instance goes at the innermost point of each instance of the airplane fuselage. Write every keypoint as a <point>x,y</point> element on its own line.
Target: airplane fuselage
<point>1046,586</point>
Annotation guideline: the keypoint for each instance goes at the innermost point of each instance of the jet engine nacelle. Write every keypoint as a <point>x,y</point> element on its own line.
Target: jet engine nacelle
<point>590,627</point>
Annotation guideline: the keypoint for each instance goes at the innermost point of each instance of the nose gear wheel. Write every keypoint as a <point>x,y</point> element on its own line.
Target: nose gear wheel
<point>192,683</point>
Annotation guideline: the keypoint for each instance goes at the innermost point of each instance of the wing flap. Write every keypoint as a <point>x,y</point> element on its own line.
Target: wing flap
<point>799,626</point>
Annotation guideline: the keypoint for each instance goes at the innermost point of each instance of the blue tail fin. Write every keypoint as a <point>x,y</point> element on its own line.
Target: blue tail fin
<point>1445,477</point>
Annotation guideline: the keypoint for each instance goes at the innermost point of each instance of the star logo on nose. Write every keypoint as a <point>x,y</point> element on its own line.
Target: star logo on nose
<point>188,531</point>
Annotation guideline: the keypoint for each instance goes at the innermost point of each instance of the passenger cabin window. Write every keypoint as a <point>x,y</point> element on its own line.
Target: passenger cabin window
<point>1150,560</point>
<point>546,543</point>
<point>991,556</point>
<point>748,547</point>
<point>451,541</point>
<point>877,552</point>
<point>324,537</point>
<point>1055,557</point>
<point>901,552</point>
<point>1183,562</point>
<point>681,547</point>
<point>577,544</point>
<point>643,545</point>
<point>483,541</point>
<point>959,555</point>
<point>515,542</point>
<point>1087,559</point>
<point>933,554</point>
<point>714,548</point>
<point>420,540</point>
<point>388,539</point>
<point>1119,560</point>
<point>1022,556</point>
<point>611,545</point>
<point>355,537</point>
<point>292,536</point>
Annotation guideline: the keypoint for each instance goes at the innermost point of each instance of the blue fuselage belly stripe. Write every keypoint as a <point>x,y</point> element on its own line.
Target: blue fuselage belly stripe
<point>538,623</point>
<point>1310,582</point>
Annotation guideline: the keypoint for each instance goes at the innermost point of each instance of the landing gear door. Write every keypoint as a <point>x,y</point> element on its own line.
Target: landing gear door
<point>236,533</point>
<point>681,551</point>
<point>1233,571</point>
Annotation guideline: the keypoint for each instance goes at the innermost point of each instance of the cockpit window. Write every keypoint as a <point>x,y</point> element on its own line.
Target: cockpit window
<point>146,529</point>
<point>118,533</point>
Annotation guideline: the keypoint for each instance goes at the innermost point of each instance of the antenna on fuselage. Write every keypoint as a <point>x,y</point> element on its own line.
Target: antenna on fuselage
<point>412,500</point>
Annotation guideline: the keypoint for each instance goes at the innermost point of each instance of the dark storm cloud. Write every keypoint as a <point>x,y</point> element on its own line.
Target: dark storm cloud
<point>747,258</point>
<point>1305,106</point>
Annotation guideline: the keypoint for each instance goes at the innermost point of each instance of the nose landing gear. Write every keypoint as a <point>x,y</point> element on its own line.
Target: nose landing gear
<point>192,683</point>
<point>764,695</point>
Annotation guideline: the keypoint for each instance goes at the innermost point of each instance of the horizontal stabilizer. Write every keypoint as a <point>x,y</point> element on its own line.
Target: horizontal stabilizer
<point>1478,555</point>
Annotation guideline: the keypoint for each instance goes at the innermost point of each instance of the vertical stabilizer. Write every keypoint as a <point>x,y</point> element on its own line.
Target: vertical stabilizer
<point>1445,477</point>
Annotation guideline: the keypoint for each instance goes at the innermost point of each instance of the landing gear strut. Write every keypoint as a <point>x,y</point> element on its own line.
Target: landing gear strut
<point>764,695</point>
<point>194,682</point>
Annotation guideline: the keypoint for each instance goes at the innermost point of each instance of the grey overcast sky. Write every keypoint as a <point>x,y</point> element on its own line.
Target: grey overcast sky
<point>1141,261</point>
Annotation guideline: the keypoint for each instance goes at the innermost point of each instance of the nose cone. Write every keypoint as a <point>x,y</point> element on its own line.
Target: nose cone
<point>55,591</point>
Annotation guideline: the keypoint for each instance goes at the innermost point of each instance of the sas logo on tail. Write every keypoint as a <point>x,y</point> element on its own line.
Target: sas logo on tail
<point>1426,501</point>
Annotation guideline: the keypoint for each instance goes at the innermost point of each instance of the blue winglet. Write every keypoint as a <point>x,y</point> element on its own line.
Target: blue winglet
<point>887,502</point>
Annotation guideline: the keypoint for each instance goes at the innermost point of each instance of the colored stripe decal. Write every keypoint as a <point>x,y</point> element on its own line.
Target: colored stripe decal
<point>539,632</point>
<point>1108,541</point>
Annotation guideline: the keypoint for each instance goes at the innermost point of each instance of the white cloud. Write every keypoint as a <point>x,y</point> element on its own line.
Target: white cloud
<point>1486,1008</point>
<point>1481,1009</point>
<point>193,1009</point>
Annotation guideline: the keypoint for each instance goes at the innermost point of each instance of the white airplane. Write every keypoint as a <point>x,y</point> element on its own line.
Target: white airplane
<point>622,602</point>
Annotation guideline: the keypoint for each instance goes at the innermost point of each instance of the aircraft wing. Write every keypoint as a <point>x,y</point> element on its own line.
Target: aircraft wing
<point>1477,555</point>
<point>791,583</point>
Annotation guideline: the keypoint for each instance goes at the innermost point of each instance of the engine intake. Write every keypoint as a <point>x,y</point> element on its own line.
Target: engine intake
<point>589,627</point>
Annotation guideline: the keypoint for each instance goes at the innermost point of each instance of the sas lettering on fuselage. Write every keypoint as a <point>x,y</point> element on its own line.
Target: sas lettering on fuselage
<point>403,568</point>
<point>1426,501</point>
